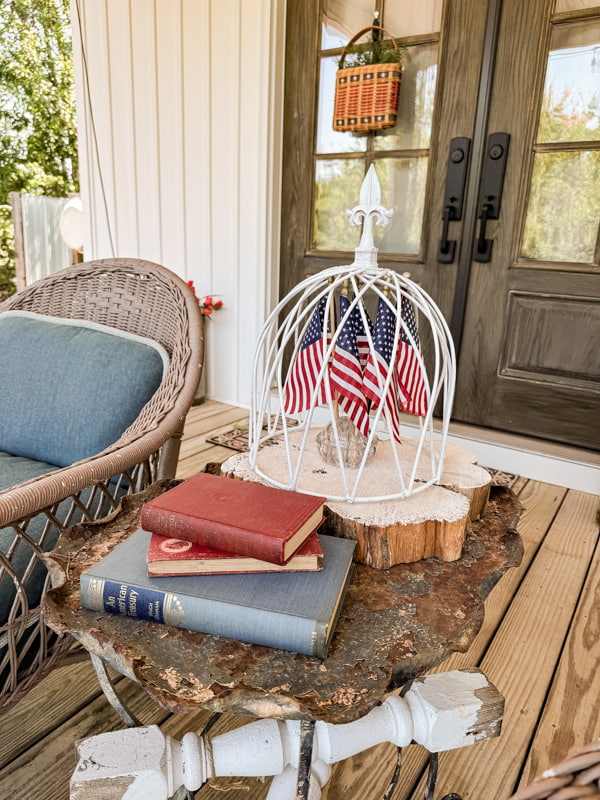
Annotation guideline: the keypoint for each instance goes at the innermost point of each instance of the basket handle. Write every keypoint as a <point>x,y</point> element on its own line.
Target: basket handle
<point>359,34</point>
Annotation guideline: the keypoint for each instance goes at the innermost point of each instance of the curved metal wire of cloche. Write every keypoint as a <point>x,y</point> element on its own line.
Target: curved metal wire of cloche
<point>342,399</point>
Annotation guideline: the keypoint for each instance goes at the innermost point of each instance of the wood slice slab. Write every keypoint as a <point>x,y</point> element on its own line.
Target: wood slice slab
<point>431,522</point>
<point>462,474</point>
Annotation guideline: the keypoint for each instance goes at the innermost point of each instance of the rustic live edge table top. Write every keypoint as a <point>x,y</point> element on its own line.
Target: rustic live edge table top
<point>395,624</point>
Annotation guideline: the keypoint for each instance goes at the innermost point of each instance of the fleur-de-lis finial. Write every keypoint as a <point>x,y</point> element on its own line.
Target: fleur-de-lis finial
<point>369,209</point>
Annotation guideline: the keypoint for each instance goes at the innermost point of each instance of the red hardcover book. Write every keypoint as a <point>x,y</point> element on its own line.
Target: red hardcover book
<point>172,557</point>
<point>241,517</point>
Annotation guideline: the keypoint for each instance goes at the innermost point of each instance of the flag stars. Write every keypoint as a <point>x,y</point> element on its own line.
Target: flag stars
<point>313,332</point>
<point>408,315</point>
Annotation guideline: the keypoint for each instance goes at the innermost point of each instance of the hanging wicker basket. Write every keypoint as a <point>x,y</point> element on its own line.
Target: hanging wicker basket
<point>366,97</point>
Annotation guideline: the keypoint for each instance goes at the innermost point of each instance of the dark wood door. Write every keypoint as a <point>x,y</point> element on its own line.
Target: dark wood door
<point>530,353</point>
<point>525,322</point>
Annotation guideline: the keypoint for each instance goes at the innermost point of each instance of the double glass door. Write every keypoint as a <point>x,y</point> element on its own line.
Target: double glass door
<point>502,98</point>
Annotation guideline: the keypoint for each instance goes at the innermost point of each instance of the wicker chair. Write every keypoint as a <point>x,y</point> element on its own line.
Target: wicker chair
<point>577,776</point>
<point>140,298</point>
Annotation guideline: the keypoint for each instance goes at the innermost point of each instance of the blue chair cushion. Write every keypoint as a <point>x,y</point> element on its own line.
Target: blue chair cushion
<point>13,471</point>
<point>70,388</point>
<point>16,469</point>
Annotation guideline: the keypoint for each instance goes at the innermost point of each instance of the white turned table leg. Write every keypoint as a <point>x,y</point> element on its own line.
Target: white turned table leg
<point>442,712</point>
<point>283,786</point>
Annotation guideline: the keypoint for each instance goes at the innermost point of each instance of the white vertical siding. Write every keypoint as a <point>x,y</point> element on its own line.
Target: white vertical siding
<point>254,20</point>
<point>121,116</point>
<point>95,124</point>
<point>170,121</point>
<point>227,145</point>
<point>84,130</point>
<point>180,148</point>
<point>145,129</point>
<point>197,141</point>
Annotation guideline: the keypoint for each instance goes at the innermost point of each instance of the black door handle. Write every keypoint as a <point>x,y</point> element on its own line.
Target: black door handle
<point>447,247</point>
<point>483,247</point>
<point>490,195</point>
<point>458,162</point>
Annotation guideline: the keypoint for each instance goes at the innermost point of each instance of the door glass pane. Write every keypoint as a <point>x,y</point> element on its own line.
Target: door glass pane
<point>564,203</point>
<point>403,189</point>
<point>407,18</point>
<point>571,104</point>
<point>574,5</point>
<point>328,140</point>
<point>415,109</point>
<point>337,187</point>
<point>338,177</point>
<point>342,19</point>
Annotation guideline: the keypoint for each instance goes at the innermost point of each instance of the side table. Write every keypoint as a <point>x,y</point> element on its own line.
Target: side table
<point>395,625</point>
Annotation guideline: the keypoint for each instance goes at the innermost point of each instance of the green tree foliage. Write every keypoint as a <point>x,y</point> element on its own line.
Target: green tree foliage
<point>38,138</point>
<point>562,216</point>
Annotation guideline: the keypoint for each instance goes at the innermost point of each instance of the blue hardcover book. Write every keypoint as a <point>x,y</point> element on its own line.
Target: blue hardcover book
<point>291,611</point>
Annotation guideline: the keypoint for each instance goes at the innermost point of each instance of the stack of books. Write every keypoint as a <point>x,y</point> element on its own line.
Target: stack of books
<point>229,558</point>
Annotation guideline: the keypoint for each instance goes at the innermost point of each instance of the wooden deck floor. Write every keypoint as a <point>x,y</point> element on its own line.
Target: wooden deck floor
<point>540,645</point>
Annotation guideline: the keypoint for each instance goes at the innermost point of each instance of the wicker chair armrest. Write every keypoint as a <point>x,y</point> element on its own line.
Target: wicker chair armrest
<point>29,497</point>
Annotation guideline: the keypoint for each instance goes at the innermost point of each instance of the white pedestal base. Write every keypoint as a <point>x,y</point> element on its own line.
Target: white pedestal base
<point>441,712</point>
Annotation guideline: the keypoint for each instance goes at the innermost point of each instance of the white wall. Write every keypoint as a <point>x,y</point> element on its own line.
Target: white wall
<point>180,115</point>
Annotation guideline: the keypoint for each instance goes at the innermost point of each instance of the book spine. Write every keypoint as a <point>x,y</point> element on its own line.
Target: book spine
<point>251,625</point>
<point>212,534</point>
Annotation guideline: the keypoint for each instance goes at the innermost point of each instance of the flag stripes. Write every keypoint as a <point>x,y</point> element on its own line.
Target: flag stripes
<point>346,371</point>
<point>410,374</point>
<point>380,366</point>
<point>357,372</point>
<point>303,376</point>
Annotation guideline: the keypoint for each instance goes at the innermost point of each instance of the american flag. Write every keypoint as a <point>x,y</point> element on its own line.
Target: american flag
<point>410,376</point>
<point>380,364</point>
<point>304,373</point>
<point>346,370</point>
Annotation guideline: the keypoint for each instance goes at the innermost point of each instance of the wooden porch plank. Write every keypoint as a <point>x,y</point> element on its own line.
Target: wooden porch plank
<point>71,689</point>
<point>207,418</point>
<point>197,462</point>
<point>519,484</point>
<point>206,408</point>
<point>45,769</point>
<point>541,502</point>
<point>571,716</point>
<point>197,443</point>
<point>203,421</point>
<point>199,428</point>
<point>237,789</point>
<point>523,655</point>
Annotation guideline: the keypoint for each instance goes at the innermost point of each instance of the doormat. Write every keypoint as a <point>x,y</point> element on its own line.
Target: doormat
<point>500,478</point>
<point>236,438</point>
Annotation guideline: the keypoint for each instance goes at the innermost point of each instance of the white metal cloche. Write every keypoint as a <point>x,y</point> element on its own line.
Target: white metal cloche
<point>341,389</point>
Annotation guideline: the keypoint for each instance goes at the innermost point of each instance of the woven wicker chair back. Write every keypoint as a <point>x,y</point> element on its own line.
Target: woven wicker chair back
<point>134,296</point>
